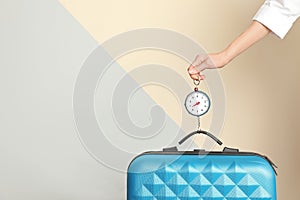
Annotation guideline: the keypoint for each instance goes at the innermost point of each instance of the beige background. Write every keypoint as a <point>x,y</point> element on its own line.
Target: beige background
<point>262,85</point>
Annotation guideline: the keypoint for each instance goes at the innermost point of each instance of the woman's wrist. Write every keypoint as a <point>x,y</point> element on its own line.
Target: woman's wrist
<point>227,57</point>
<point>220,59</point>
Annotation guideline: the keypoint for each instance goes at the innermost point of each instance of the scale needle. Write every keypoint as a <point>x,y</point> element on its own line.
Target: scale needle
<point>197,103</point>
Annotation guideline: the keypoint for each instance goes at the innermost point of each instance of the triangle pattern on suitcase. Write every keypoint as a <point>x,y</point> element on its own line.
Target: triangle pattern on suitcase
<point>230,182</point>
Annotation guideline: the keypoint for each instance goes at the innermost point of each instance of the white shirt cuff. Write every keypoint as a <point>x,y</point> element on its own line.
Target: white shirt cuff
<point>275,19</point>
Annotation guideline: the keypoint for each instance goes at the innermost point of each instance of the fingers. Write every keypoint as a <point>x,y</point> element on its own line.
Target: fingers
<point>195,73</point>
<point>197,77</point>
<point>193,70</point>
<point>202,62</point>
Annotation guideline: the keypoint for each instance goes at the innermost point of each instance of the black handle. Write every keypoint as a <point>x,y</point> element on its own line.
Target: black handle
<point>200,132</point>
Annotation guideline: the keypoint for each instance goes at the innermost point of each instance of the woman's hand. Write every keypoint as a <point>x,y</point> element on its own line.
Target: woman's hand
<point>255,32</point>
<point>203,62</point>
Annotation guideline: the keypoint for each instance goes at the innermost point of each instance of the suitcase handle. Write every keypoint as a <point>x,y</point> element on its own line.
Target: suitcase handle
<point>200,132</point>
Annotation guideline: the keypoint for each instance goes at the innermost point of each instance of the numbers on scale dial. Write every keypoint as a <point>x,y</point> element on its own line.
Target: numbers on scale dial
<point>197,103</point>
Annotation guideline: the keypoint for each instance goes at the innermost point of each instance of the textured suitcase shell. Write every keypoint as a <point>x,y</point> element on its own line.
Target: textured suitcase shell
<point>201,176</point>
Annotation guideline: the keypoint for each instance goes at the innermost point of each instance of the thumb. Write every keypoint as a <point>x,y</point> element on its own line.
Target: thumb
<point>193,70</point>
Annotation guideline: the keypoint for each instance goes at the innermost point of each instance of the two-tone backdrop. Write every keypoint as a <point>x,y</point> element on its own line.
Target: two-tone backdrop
<point>74,96</point>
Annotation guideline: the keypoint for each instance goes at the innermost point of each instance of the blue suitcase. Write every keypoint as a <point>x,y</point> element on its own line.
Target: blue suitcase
<point>201,175</point>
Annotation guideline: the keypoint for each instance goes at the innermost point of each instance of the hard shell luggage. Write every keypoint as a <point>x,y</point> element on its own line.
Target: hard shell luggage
<point>201,175</point>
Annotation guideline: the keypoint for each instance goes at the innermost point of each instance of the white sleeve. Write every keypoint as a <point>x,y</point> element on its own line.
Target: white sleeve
<point>278,15</point>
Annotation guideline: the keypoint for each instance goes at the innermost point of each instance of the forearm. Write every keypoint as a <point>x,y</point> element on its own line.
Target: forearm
<point>251,35</point>
<point>255,32</point>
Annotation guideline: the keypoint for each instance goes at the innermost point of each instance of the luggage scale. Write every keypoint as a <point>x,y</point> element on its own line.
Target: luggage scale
<point>197,103</point>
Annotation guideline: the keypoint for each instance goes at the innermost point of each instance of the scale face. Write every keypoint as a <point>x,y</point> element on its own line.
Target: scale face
<point>197,103</point>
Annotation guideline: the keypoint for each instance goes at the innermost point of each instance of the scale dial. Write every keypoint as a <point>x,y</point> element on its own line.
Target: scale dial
<point>197,103</point>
